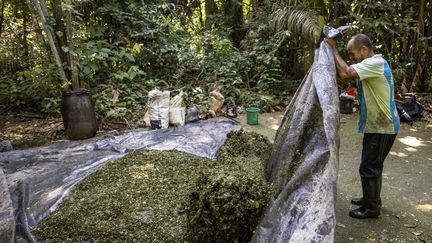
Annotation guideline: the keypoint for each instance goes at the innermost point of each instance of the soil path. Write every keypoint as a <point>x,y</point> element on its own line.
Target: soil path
<point>406,190</point>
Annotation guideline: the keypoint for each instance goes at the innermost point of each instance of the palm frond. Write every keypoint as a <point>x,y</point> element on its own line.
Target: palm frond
<point>297,21</point>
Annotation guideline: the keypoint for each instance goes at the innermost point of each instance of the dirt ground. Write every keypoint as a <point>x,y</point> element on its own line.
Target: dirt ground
<point>406,191</point>
<point>406,194</point>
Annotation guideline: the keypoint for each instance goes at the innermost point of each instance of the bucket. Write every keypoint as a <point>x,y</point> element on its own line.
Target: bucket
<point>79,118</point>
<point>252,114</point>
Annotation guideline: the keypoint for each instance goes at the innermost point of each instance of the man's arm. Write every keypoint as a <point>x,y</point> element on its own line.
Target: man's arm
<point>344,71</point>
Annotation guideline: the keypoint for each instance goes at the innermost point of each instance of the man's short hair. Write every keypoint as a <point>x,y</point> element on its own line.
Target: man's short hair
<point>362,40</point>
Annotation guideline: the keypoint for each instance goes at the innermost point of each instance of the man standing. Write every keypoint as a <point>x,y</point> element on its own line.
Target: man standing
<point>379,120</point>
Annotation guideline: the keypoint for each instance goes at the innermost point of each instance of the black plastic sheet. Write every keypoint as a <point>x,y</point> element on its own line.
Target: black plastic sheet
<point>304,162</point>
<point>34,182</point>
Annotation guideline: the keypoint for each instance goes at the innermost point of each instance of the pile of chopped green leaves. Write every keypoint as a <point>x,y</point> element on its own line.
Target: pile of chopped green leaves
<point>165,196</point>
<point>227,202</point>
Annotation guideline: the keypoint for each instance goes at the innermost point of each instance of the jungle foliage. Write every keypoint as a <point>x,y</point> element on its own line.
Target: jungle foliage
<point>256,51</point>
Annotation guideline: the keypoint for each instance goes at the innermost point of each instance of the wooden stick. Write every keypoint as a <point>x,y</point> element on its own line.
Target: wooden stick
<point>417,94</point>
<point>73,66</point>
<point>41,8</point>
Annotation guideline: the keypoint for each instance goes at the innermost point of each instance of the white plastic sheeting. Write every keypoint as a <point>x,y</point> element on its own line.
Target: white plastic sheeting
<point>304,162</point>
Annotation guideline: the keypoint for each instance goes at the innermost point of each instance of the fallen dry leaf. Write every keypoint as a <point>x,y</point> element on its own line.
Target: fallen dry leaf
<point>417,233</point>
<point>341,225</point>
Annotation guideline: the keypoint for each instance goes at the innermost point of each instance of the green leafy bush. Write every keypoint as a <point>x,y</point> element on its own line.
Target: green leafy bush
<point>252,99</point>
<point>36,87</point>
<point>121,101</point>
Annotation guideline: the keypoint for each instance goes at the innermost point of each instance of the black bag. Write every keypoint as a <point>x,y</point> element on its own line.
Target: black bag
<point>409,109</point>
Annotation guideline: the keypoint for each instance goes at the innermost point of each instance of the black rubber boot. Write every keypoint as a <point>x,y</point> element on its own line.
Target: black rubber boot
<point>359,200</point>
<point>370,208</point>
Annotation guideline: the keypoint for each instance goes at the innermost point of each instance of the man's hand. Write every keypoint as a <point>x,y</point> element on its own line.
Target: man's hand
<point>331,42</point>
<point>344,72</point>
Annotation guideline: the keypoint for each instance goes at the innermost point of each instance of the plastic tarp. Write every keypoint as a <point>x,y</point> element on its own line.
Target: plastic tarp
<point>34,182</point>
<point>304,162</point>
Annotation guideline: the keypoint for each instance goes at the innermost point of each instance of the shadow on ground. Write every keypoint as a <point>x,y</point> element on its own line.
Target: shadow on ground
<point>407,181</point>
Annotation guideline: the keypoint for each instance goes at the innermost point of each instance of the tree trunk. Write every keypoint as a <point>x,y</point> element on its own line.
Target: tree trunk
<point>16,7</point>
<point>25,21</point>
<point>72,63</point>
<point>428,32</point>
<point>1,16</point>
<point>200,13</point>
<point>59,27</point>
<point>35,25</point>
<point>210,11</point>
<point>233,13</point>
<point>416,83</point>
<point>41,9</point>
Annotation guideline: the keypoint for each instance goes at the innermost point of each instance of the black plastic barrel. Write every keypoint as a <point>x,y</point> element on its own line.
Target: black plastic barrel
<point>346,104</point>
<point>79,118</point>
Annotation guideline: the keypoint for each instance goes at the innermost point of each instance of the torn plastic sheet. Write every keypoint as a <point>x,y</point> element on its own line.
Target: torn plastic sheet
<point>304,162</point>
<point>34,182</point>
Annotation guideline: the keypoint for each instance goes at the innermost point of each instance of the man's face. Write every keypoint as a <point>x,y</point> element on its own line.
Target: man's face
<point>357,54</point>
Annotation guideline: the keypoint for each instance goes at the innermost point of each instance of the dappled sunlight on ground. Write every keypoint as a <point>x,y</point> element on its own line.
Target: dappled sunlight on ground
<point>412,141</point>
<point>275,127</point>
<point>399,154</point>
<point>273,122</point>
<point>414,145</point>
<point>410,149</point>
<point>424,207</point>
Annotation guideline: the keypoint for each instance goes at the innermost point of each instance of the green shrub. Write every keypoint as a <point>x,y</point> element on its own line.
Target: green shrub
<point>263,102</point>
<point>35,87</point>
